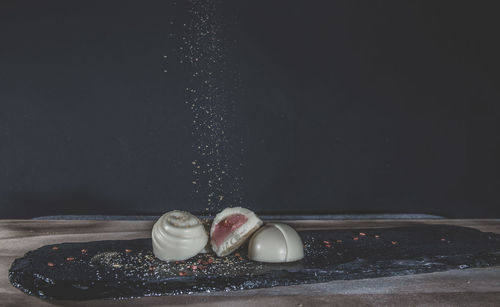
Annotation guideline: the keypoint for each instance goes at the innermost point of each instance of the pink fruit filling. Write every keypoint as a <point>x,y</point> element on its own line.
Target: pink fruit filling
<point>225,227</point>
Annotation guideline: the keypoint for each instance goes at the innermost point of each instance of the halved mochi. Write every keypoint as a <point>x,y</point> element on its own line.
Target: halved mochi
<point>231,228</point>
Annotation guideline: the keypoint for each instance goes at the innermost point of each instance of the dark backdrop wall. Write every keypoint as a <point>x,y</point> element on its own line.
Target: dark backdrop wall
<point>328,106</point>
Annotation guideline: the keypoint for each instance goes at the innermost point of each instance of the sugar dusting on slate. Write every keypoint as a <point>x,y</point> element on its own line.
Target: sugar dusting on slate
<point>124,269</point>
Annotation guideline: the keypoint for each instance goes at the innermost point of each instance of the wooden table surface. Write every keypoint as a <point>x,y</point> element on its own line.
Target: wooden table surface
<point>469,287</point>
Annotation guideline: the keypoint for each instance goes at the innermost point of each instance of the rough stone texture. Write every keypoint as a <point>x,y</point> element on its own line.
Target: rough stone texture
<point>126,268</point>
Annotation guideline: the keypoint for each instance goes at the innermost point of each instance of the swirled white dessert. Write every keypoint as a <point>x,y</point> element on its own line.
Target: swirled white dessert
<point>231,228</point>
<point>178,235</point>
<point>276,242</point>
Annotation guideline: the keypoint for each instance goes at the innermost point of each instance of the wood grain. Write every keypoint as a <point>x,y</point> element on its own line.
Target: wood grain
<point>479,287</point>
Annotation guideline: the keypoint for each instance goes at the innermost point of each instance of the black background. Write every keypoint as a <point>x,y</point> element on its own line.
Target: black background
<point>343,106</point>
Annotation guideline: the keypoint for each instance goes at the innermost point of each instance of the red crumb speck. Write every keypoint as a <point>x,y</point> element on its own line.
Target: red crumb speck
<point>177,262</point>
<point>128,250</point>
<point>199,261</point>
<point>84,251</point>
<point>194,267</point>
<point>339,241</point>
<point>443,239</point>
<point>210,260</point>
<point>152,268</point>
<point>237,254</point>
<point>328,245</point>
<point>55,248</point>
<point>50,264</point>
<point>377,236</point>
<point>394,242</point>
<point>70,259</point>
<point>355,238</point>
<point>326,242</point>
<point>241,258</point>
<point>362,234</point>
<point>182,273</point>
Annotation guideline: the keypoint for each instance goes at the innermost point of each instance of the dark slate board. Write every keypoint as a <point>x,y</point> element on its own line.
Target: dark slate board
<point>125,269</point>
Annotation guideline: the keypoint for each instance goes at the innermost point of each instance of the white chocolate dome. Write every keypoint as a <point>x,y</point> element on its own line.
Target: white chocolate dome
<point>178,235</point>
<point>276,242</point>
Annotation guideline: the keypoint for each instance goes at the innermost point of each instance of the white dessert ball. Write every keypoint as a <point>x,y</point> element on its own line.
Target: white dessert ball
<point>231,228</point>
<point>178,235</point>
<point>276,242</point>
